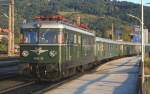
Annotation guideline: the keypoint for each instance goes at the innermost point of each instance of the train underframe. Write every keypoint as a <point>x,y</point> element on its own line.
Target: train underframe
<point>51,72</point>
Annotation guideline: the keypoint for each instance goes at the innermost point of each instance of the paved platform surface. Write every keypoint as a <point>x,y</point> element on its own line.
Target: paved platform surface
<point>115,77</point>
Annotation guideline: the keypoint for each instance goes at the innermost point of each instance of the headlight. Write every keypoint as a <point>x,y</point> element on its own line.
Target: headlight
<point>25,53</point>
<point>52,53</point>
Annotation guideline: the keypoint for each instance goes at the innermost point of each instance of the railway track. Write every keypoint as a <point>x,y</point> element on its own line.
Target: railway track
<point>20,85</point>
<point>14,82</point>
<point>36,87</point>
<point>16,85</point>
<point>7,76</point>
<point>33,86</point>
<point>8,72</point>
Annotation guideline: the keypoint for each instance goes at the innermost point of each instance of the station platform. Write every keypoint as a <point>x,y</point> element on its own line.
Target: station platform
<point>115,77</point>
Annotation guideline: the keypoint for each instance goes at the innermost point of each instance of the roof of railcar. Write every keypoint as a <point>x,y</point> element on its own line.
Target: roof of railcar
<point>98,39</point>
<point>57,24</point>
<point>147,44</point>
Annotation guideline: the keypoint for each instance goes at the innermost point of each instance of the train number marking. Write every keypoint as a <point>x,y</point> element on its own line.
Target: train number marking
<point>38,51</point>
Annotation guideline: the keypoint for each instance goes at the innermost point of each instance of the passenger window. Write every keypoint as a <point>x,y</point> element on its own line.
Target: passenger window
<point>79,39</point>
<point>75,38</point>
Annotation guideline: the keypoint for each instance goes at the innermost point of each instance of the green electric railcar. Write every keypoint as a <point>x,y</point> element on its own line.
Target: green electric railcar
<point>53,49</point>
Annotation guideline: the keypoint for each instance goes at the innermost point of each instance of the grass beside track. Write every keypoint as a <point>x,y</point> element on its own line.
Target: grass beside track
<point>147,85</point>
<point>6,58</point>
<point>147,65</point>
<point>147,72</point>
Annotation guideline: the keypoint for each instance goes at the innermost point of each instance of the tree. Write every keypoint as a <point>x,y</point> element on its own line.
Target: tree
<point>3,44</point>
<point>126,33</point>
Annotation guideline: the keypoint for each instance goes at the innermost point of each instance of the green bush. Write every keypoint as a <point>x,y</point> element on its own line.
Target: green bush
<point>147,61</point>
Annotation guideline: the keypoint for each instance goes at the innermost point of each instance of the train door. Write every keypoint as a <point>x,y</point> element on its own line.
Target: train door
<point>67,46</point>
<point>105,50</point>
<point>102,49</point>
<point>121,49</point>
<point>128,50</point>
<point>109,50</point>
<point>78,45</point>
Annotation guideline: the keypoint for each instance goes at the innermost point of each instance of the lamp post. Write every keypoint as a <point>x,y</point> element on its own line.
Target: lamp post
<point>4,14</point>
<point>143,44</point>
<point>137,18</point>
<point>142,29</point>
<point>143,47</point>
<point>142,32</point>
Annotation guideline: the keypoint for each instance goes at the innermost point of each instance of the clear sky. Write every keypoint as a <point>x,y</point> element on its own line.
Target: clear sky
<point>138,1</point>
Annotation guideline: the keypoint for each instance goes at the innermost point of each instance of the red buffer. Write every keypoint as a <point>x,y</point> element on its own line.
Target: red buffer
<point>52,18</point>
<point>85,26</point>
<point>57,17</point>
<point>4,30</point>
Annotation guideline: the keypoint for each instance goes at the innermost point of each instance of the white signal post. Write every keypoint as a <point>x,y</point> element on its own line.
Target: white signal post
<point>11,28</point>
<point>11,22</point>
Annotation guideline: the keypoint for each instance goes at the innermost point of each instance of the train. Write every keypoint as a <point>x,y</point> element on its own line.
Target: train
<point>52,48</point>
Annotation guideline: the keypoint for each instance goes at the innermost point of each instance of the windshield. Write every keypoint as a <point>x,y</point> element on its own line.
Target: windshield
<point>30,36</point>
<point>49,36</point>
<point>42,36</point>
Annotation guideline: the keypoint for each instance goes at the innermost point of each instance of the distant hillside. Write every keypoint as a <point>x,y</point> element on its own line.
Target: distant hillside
<point>98,14</point>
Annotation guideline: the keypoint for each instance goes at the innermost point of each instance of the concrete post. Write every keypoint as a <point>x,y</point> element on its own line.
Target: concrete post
<point>10,29</point>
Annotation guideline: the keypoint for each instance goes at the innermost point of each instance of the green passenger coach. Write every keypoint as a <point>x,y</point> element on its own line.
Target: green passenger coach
<point>106,48</point>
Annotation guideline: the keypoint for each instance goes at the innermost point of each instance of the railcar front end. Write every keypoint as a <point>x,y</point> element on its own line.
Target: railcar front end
<point>40,51</point>
<point>52,50</point>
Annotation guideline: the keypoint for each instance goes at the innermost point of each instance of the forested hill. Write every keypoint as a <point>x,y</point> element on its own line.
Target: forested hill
<point>98,14</point>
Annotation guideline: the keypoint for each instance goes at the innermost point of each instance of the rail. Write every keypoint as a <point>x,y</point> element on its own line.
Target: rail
<point>17,87</point>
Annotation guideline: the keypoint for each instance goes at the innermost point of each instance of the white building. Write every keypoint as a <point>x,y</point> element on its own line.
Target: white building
<point>3,36</point>
<point>146,34</point>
